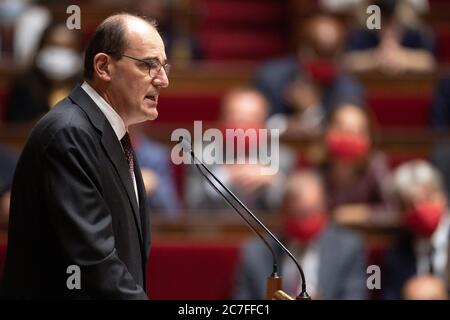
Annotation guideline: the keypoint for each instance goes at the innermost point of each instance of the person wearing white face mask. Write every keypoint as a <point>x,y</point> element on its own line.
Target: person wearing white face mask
<point>56,68</point>
<point>58,63</point>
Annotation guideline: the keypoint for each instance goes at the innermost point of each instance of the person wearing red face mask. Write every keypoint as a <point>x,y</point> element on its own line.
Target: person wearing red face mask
<point>332,257</point>
<point>418,194</point>
<point>244,109</point>
<point>302,88</point>
<point>353,170</point>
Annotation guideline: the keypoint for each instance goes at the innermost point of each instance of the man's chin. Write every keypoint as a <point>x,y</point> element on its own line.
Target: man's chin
<point>149,116</point>
<point>152,115</point>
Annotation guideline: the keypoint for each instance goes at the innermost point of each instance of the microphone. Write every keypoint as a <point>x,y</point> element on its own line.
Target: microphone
<point>186,145</point>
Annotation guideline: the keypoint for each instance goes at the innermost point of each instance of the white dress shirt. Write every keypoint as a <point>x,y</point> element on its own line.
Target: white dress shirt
<point>439,241</point>
<point>113,118</point>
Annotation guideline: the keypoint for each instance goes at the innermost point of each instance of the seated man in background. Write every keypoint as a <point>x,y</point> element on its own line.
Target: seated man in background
<point>246,109</point>
<point>395,48</point>
<point>418,193</point>
<point>332,258</point>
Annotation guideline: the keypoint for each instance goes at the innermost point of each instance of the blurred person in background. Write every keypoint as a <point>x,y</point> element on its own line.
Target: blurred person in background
<point>21,25</point>
<point>440,108</point>
<point>56,68</point>
<point>393,49</point>
<point>175,25</point>
<point>354,171</point>
<point>332,258</point>
<point>304,86</point>
<point>157,173</point>
<point>8,160</point>
<point>418,195</point>
<point>242,108</point>
<point>425,287</point>
<point>411,11</point>
<point>440,123</point>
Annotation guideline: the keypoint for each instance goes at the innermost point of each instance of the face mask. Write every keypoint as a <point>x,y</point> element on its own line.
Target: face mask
<point>347,147</point>
<point>305,229</point>
<point>424,218</point>
<point>58,63</point>
<point>321,72</point>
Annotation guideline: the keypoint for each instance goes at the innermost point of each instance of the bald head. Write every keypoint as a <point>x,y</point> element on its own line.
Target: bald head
<point>112,36</point>
<point>325,35</point>
<point>245,106</point>
<point>425,287</point>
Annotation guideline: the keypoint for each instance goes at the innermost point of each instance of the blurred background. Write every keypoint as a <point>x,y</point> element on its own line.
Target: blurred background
<point>364,117</point>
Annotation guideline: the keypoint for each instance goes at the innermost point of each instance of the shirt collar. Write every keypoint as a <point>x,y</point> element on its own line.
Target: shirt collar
<point>439,238</point>
<point>113,117</point>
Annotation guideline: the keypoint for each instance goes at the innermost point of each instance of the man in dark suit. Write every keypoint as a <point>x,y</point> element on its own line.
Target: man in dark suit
<point>332,258</point>
<point>79,228</point>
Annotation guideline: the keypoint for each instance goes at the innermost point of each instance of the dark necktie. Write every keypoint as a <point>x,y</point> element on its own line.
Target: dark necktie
<point>430,257</point>
<point>128,150</point>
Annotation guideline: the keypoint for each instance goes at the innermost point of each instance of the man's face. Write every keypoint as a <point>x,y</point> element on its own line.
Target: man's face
<point>306,199</point>
<point>133,92</point>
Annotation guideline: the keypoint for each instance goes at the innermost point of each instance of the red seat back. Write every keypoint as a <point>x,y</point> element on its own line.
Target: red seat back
<point>191,271</point>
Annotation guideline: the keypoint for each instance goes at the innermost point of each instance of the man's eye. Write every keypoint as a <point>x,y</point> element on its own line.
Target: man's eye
<point>153,65</point>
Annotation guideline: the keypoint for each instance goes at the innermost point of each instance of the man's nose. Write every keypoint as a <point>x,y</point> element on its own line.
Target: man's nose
<point>161,79</point>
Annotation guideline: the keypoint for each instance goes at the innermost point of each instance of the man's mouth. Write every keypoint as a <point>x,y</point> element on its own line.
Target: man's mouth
<point>151,97</point>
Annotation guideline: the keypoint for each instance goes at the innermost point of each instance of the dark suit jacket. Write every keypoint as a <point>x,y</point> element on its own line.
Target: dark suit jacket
<point>73,203</point>
<point>399,265</point>
<point>341,267</point>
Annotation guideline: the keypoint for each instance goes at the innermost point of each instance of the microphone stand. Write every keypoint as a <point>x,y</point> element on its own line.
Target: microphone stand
<point>273,281</point>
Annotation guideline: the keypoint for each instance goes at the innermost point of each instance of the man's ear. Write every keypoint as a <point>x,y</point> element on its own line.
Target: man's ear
<point>103,66</point>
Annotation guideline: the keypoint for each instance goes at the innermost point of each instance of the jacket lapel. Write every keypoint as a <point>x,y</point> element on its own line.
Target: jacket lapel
<point>111,145</point>
<point>116,155</point>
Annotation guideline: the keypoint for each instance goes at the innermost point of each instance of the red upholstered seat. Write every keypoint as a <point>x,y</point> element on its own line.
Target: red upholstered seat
<point>443,43</point>
<point>220,12</point>
<point>218,45</point>
<point>3,98</point>
<point>185,109</point>
<point>400,111</point>
<point>191,271</point>
<point>394,160</point>
<point>2,255</point>
<point>242,29</point>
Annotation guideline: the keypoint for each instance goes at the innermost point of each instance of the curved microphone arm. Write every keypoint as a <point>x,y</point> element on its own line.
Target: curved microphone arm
<point>274,258</point>
<point>303,294</point>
